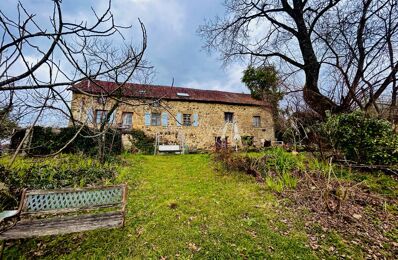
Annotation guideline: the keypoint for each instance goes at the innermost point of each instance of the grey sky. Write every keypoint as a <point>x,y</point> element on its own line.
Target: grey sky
<point>174,47</point>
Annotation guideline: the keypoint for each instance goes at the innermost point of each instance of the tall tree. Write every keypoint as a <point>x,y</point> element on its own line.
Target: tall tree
<point>263,83</point>
<point>341,46</point>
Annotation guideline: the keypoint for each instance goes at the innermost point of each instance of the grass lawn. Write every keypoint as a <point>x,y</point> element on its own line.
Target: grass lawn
<point>181,207</point>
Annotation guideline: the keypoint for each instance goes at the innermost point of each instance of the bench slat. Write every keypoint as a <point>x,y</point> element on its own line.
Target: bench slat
<point>65,225</point>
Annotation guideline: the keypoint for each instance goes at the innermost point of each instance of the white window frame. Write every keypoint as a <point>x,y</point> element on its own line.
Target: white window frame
<point>100,116</point>
<point>125,124</point>
<point>156,121</point>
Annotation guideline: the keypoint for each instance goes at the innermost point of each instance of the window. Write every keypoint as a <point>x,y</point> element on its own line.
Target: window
<point>256,121</point>
<point>100,116</point>
<point>248,140</point>
<point>127,120</point>
<point>101,100</point>
<point>155,119</point>
<point>180,94</point>
<point>156,103</point>
<point>186,119</point>
<point>228,117</point>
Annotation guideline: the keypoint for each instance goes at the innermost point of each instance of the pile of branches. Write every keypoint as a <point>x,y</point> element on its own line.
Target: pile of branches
<point>321,198</point>
<point>233,162</point>
<point>387,169</point>
<point>348,208</point>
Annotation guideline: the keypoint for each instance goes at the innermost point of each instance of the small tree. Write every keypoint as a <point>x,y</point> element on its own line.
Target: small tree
<point>68,52</point>
<point>7,125</point>
<point>263,83</point>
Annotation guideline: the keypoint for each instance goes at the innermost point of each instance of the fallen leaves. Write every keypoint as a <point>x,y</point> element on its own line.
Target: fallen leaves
<point>357,216</point>
<point>361,217</point>
<point>193,247</point>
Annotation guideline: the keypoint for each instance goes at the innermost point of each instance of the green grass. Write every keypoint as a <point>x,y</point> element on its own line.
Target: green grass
<point>182,207</point>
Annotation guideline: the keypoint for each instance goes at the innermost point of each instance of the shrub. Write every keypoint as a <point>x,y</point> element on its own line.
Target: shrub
<point>247,140</point>
<point>281,161</point>
<point>141,143</point>
<point>277,167</point>
<point>113,142</point>
<point>362,138</point>
<point>80,144</point>
<point>46,140</point>
<point>56,172</point>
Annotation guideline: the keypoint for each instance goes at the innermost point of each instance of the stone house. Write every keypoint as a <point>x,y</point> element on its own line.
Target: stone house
<point>198,119</point>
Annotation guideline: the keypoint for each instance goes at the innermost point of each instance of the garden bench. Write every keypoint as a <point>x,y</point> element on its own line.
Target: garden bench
<point>63,211</point>
<point>169,148</point>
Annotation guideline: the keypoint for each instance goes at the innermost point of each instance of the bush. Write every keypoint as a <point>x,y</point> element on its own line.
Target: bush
<point>80,144</point>
<point>362,138</point>
<point>56,172</point>
<point>113,142</point>
<point>275,166</point>
<point>46,140</point>
<point>282,162</point>
<point>141,143</point>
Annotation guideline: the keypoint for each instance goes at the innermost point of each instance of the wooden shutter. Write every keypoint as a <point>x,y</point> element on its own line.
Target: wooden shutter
<point>90,116</point>
<point>164,119</point>
<point>112,118</point>
<point>195,120</point>
<point>179,119</point>
<point>147,118</point>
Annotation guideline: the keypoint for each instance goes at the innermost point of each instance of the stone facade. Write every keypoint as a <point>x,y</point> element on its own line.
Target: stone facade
<point>209,120</point>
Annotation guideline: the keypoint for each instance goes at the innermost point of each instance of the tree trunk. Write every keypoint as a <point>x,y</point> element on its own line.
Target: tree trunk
<point>312,96</point>
<point>101,147</point>
<point>393,107</point>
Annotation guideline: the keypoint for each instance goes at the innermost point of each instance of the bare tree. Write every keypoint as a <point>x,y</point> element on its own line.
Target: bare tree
<point>360,40</point>
<point>338,44</point>
<point>64,53</point>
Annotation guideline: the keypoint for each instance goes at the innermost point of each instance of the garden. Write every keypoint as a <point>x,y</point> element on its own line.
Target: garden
<point>228,205</point>
<point>314,177</point>
<point>336,201</point>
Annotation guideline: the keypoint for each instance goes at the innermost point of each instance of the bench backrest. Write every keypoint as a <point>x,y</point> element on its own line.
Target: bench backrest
<point>69,200</point>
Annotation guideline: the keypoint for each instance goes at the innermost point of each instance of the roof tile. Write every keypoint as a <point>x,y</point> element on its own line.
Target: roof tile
<point>166,92</point>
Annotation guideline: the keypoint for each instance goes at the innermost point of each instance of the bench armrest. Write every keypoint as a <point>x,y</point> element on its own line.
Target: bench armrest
<point>8,214</point>
<point>12,213</point>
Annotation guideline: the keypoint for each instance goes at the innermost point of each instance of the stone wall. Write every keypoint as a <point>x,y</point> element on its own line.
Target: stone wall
<point>210,119</point>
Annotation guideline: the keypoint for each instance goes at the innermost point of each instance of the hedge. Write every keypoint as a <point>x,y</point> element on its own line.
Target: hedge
<point>47,140</point>
<point>362,138</point>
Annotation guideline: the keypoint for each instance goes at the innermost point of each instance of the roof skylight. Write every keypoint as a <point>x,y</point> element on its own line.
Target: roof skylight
<point>180,94</point>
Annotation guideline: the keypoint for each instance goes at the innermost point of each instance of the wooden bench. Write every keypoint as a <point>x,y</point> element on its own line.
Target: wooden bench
<point>169,148</point>
<point>63,211</point>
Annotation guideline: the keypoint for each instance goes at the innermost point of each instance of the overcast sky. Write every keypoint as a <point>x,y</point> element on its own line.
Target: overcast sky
<point>174,46</point>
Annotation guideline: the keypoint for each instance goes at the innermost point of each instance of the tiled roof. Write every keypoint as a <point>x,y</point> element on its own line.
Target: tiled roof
<point>167,93</point>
